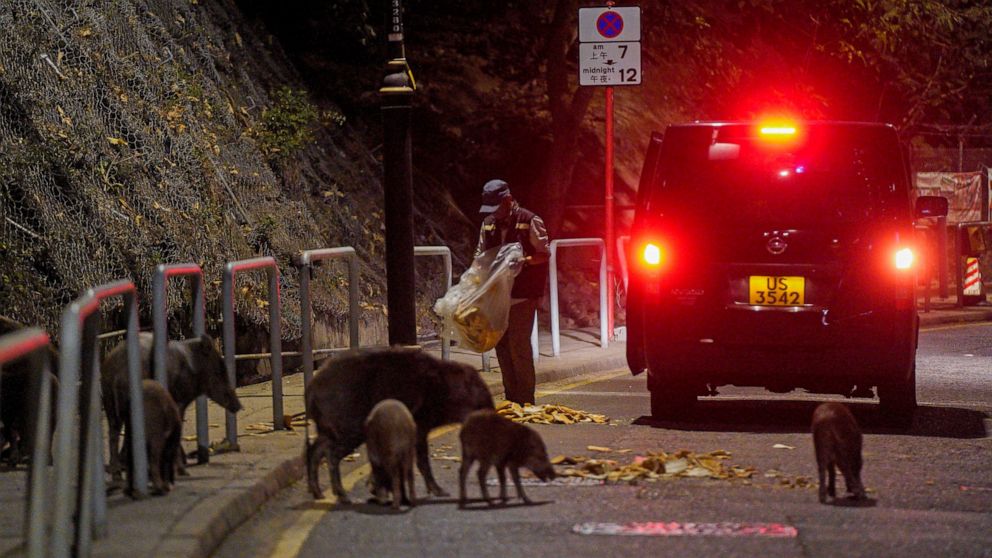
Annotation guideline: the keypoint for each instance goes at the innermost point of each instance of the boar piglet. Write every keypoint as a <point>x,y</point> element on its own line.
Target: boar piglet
<point>837,440</point>
<point>491,440</point>
<point>194,367</point>
<point>391,441</point>
<point>344,390</point>
<point>163,431</point>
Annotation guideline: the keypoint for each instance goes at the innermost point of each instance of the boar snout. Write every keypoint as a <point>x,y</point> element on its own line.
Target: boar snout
<point>546,473</point>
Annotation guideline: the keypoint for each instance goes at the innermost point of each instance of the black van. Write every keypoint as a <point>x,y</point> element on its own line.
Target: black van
<point>775,255</point>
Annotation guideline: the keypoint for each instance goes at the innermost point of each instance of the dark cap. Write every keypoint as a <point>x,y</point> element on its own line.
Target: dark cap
<point>493,194</point>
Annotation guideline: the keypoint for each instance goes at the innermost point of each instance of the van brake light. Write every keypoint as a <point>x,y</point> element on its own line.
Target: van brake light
<point>778,130</point>
<point>904,258</point>
<point>651,254</point>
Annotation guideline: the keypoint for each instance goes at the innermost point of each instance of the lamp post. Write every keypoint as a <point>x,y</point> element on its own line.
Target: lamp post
<point>396,93</point>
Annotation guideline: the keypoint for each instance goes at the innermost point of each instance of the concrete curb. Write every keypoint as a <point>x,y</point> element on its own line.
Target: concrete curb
<point>205,527</point>
<point>938,317</point>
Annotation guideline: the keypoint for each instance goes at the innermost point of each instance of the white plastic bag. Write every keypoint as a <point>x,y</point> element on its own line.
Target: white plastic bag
<point>476,311</point>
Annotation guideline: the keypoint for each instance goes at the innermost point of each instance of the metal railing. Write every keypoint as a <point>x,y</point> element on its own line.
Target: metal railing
<point>445,253</point>
<point>306,262</point>
<point>603,326</point>
<point>33,344</point>
<point>275,338</point>
<point>79,372</point>
<point>160,301</point>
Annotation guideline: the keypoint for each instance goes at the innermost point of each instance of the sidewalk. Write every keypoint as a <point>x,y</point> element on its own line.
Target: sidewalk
<point>205,507</point>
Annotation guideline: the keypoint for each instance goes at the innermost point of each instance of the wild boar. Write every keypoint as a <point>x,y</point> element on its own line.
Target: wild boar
<point>491,440</point>
<point>163,432</point>
<point>391,441</point>
<point>15,408</point>
<point>837,441</point>
<point>344,390</point>
<point>194,367</point>
<point>15,387</point>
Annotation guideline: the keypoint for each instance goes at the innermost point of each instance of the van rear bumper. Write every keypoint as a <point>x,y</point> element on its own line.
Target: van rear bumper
<point>823,358</point>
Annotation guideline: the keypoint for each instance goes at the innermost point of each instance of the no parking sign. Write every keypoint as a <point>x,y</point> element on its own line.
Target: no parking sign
<point>610,46</point>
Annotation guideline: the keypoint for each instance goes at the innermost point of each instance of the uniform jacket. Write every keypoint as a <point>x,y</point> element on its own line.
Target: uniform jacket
<point>525,227</point>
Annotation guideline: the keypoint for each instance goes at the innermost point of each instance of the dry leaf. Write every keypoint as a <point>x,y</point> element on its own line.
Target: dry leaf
<point>117,141</point>
<point>603,449</point>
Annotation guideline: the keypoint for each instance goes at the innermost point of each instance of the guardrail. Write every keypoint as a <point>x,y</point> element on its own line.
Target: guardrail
<point>32,344</point>
<point>306,262</point>
<point>603,326</point>
<point>79,363</point>
<point>275,338</point>
<point>445,253</point>
<point>160,302</point>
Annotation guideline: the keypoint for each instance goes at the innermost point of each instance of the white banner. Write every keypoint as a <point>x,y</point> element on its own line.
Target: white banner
<point>963,191</point>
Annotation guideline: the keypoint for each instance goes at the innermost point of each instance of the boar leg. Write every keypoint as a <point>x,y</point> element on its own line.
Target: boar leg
<point>408,477</point>
<point>520,489</point>
<point>424,463</point>
<point>482,473</point>
<point>831,484</point>
<point>114,439</point>
<point>397,478</point>
<point>501,473</point>
<point>314,452</point>
<point>171,453</point>
<point>851,481</point>
<point>462,473</point>
<point>336,452</point>
<point>821,468</point>
<point>156,462</point>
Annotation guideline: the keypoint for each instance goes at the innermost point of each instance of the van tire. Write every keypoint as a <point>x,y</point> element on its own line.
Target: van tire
<point>671,402</point>
<point>897,399</point>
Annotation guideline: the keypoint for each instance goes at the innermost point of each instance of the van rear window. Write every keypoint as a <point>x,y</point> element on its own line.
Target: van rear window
<point>728,178</point>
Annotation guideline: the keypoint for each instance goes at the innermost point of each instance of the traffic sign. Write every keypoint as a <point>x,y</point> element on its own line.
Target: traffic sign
<point>605,24</point>
<point>610,63</point>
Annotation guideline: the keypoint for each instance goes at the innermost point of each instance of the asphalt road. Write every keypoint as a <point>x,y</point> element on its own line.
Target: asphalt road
<point>930,486</point>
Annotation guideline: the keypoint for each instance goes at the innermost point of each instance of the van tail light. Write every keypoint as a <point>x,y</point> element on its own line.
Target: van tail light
<point>904,259</point>
<point>651,255</point>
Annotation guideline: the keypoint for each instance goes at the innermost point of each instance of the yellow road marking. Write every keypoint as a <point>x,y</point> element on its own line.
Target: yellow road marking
<point>595,377</point>
<point>955,326</point>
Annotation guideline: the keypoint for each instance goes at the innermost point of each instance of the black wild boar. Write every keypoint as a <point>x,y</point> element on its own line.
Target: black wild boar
<point>15,409</point>
<point>344,390</point>
<point>391,441</point>
<point>837,440</point>
<point>194,367</point>
<point>491,440</point>
<point>163,432</point>
<point>15,387</point>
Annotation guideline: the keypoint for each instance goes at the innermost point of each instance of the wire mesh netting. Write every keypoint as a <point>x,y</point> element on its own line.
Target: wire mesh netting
<point>128,138</point>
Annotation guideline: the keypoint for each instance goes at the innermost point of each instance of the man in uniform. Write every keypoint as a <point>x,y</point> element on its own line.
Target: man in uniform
<point>505,222</point>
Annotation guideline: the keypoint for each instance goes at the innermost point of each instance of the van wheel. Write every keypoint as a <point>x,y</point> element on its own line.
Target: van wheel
<point>671,402</point>
<point>897,400</point>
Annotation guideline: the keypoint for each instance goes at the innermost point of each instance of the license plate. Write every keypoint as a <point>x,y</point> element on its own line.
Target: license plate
<point>766,290</point>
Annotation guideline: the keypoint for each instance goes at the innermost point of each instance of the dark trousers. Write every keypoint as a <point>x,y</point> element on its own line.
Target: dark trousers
<point>516,361</point>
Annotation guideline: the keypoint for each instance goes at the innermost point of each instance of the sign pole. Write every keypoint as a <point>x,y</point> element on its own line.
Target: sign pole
<point>608,214</point>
